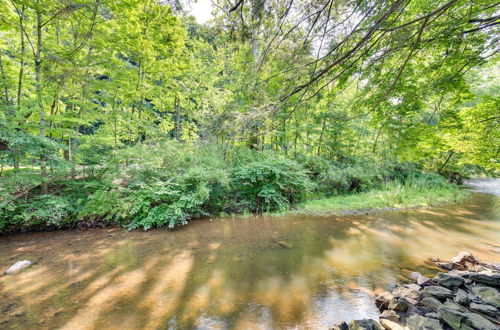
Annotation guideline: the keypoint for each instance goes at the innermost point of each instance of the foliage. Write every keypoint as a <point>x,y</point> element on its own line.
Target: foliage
<point>271,184</point>
<point>131,112</point>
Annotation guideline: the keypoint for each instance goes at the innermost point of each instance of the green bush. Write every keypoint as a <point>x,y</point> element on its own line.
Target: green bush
<point>271,184</point>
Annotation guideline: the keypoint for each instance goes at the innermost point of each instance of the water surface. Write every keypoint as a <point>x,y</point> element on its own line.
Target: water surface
<point>236,273</point>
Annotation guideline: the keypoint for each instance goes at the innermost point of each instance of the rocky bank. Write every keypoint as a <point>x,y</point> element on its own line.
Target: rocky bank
<point>465,296</point>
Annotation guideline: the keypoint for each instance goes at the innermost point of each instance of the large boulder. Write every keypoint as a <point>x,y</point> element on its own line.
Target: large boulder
<point>18,266</point>
<point>459,318</point>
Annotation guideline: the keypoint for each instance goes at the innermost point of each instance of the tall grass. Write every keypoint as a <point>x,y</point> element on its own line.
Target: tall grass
<point>392,195</point>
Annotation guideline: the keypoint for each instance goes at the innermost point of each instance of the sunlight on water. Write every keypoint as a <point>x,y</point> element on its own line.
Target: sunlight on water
<point>242,273</point>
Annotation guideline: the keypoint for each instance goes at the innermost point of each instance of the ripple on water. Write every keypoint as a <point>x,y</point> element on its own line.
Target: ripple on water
<point>259,272</point>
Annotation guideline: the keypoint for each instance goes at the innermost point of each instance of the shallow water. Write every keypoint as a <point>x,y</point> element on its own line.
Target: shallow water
<point>235,273</point>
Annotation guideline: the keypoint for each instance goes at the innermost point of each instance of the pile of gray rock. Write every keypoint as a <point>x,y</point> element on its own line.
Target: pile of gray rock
<point>465,296</point>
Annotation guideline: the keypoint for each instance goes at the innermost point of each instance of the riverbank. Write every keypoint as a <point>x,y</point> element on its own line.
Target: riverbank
<point>392,197</point>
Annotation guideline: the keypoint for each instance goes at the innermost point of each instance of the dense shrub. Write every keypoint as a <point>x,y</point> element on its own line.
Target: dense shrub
<point>271,184</point>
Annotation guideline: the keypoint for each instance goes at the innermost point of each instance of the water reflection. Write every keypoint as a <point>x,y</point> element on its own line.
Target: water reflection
<point>253,273</point>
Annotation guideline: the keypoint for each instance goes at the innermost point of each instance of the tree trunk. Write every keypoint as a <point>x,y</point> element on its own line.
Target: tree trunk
<point>73,157</point>
<point>38,88</point>
<point>4,79</point>
<point>21,60</point>
<point>177,118</point>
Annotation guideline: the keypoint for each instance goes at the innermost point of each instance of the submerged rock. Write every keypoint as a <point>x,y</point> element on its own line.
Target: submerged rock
<point>285,244</point>
<point>18,266</point>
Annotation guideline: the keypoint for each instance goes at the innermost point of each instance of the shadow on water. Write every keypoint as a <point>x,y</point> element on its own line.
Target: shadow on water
<point>258,272</point>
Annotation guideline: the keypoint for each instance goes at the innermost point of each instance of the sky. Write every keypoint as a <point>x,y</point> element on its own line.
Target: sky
<point>202,10</point>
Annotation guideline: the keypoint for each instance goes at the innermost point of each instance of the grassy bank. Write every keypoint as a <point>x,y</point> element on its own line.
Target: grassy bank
<point>391,196</point>
<point>168,184</point>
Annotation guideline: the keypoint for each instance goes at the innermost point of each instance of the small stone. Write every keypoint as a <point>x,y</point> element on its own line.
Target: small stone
<point>423,323</point>
<point>285,244</point>
<point>413,286</point>
<point>431,303</point>
<point>414,275</point>
<point>424,281</point>
<point>389,315</point>
<point>485,309</point>
<point>391,325</point>
<point>437,291</point>
<point>450,280</point>
<point>445,265</point>
<point>465,257</point>
<point>404,292</point>
<point>400,305</point>
<point>382,301</point>
<point>488,295</point>
<point>462,298</point>
<point>366,324</point>
<point>18,266</point>
<point>458,317</point>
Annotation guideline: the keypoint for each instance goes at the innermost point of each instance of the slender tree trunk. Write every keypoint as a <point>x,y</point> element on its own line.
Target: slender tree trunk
<point>177,118</point>
<point>320,143</point>
<point>376,140</point>
<point>446,162</point>
<point>20,80</point>
<point>5,86</point>
<point>73,157</point>
<point>21,60</point>
<point>38,88</point>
